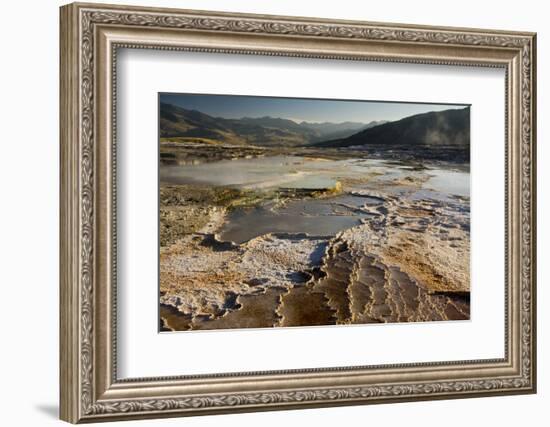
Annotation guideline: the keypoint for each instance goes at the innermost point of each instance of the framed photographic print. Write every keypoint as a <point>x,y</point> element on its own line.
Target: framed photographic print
<point>265,212</point>
<point>274,220</point>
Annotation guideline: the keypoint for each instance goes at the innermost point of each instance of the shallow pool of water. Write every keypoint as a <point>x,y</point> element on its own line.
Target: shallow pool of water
<point>449,181</point>
<point>277,172</point>
<point>316,217</point>
<point>319,217</point>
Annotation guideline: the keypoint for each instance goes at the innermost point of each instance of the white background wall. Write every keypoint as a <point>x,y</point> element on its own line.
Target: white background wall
<point>29,170</point>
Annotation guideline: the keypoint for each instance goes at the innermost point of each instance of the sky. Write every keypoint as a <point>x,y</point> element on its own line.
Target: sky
<point>299,109</point>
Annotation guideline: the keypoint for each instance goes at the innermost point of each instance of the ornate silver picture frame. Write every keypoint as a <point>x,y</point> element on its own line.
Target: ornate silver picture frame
<point>91,36</point>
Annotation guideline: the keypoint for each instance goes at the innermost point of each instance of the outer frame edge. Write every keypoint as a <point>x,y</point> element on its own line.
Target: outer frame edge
<point>68,224</point>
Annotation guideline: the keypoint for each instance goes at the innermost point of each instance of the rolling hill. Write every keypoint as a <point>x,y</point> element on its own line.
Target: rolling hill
<point>448,128</point>
<point>178,122</point>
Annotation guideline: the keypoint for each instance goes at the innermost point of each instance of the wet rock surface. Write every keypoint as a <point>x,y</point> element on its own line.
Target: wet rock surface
<point>404,257</point>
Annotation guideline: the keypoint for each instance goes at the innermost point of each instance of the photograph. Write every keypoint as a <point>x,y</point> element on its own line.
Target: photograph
<point>280,212</point>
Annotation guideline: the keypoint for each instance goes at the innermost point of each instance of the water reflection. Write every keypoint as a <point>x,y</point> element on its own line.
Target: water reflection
<point>311,216</point>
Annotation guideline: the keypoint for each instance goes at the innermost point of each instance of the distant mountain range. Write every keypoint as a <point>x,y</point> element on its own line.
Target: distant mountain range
<point>437,134</point>
<point>448,128</point>
<point>263,131</point>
